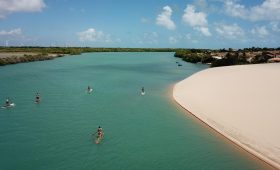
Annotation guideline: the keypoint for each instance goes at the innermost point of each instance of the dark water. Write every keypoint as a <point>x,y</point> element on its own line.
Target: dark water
<point>141,132</point>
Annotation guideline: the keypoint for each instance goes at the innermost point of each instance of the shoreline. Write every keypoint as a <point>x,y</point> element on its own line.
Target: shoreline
<point>23,54</point>
<point>216,133</point>
<point>178,96</point>
<point>226,137</point>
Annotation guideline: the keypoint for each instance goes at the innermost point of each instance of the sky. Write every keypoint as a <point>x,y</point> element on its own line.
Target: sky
<point>211,24</point>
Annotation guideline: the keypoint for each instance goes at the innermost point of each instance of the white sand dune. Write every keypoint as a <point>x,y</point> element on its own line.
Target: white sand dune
<point>240,102</point>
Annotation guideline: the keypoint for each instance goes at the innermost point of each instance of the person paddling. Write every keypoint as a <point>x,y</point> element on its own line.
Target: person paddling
<point>99,132</point>
<point>7,103</point>
<point>142,91</point>
<point>99,136</point>
<point>89,89</point>
<point>37,98</point>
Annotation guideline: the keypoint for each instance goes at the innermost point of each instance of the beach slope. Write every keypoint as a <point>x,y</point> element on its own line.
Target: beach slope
<point>240,102</point>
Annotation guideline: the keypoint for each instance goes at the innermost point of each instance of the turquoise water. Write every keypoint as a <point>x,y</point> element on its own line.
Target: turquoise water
<point>141,132</point>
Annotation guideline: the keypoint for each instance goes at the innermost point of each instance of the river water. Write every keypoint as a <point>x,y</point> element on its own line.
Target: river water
<point>140,132</point>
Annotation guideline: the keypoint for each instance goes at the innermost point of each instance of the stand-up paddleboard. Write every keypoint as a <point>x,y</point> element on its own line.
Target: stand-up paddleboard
<point>89,91</point>
<point>99,139</point>
<point>9,106</point>
<point>142,93</point>
<point>37,101</point>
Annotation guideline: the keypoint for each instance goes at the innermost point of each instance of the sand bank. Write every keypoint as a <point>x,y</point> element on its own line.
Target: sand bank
<point>240,102</point>
<point>7,58</point>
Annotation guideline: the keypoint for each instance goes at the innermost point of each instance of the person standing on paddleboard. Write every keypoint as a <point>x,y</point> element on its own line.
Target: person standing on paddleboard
<point>99,132</point>
<point>88,88</point>
<point>7,103</point>
<point>37,98</point>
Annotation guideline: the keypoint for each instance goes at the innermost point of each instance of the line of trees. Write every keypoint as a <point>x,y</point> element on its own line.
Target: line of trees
<point>252,49</point>
<point>43,53</point>
<point>79,50</point>
<point>194,55</point>
<point>26,58</point>
<point>231,57</point>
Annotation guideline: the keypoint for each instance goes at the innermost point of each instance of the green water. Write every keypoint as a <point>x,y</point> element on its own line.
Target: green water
<point>141,132</point>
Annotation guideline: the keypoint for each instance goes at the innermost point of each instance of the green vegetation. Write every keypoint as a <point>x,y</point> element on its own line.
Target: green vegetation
<point>26,58</point>
<point>79,50</point>
<point>193,55</point>
<point>228,57</point>
<point>221,57</point>
<point>48,53</point>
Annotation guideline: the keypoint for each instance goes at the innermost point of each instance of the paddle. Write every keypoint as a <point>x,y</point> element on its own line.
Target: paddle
<point>94,134</point>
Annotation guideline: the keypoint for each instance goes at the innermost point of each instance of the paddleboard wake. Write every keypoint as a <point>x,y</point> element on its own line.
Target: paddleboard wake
<point>99,139</point>
<point>9,106</point>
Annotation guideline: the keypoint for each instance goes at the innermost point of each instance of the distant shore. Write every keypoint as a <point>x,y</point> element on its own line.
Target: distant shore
<point>223,57</point>
<point>7,58</point>
<point>240,102</point>
<point>215,58</point>
<point>14,55</point>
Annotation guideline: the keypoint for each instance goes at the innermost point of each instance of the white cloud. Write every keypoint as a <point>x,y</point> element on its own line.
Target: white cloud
<point>93,35</point>
<point>190,39</point>
<point>188,36</point>
<point>173,40</point>
<point>275,26</point>
<point>13,32</point>
<point>268,10</point>
<point>260,31</point>
<point>149,38</point>
<point>205,31</point>
<point>12,6</point>
<point>164,19</point>
<point>230,31</point>
<point>194,18</point>
<point>197,20</point>
<point>235,10</point>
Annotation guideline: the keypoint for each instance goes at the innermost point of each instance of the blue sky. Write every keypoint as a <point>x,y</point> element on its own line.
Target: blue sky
<point>146,23</point>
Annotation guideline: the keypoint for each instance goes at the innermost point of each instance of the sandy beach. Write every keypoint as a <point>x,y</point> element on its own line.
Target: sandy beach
<point>240,102</point>
<point>15,54</point>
